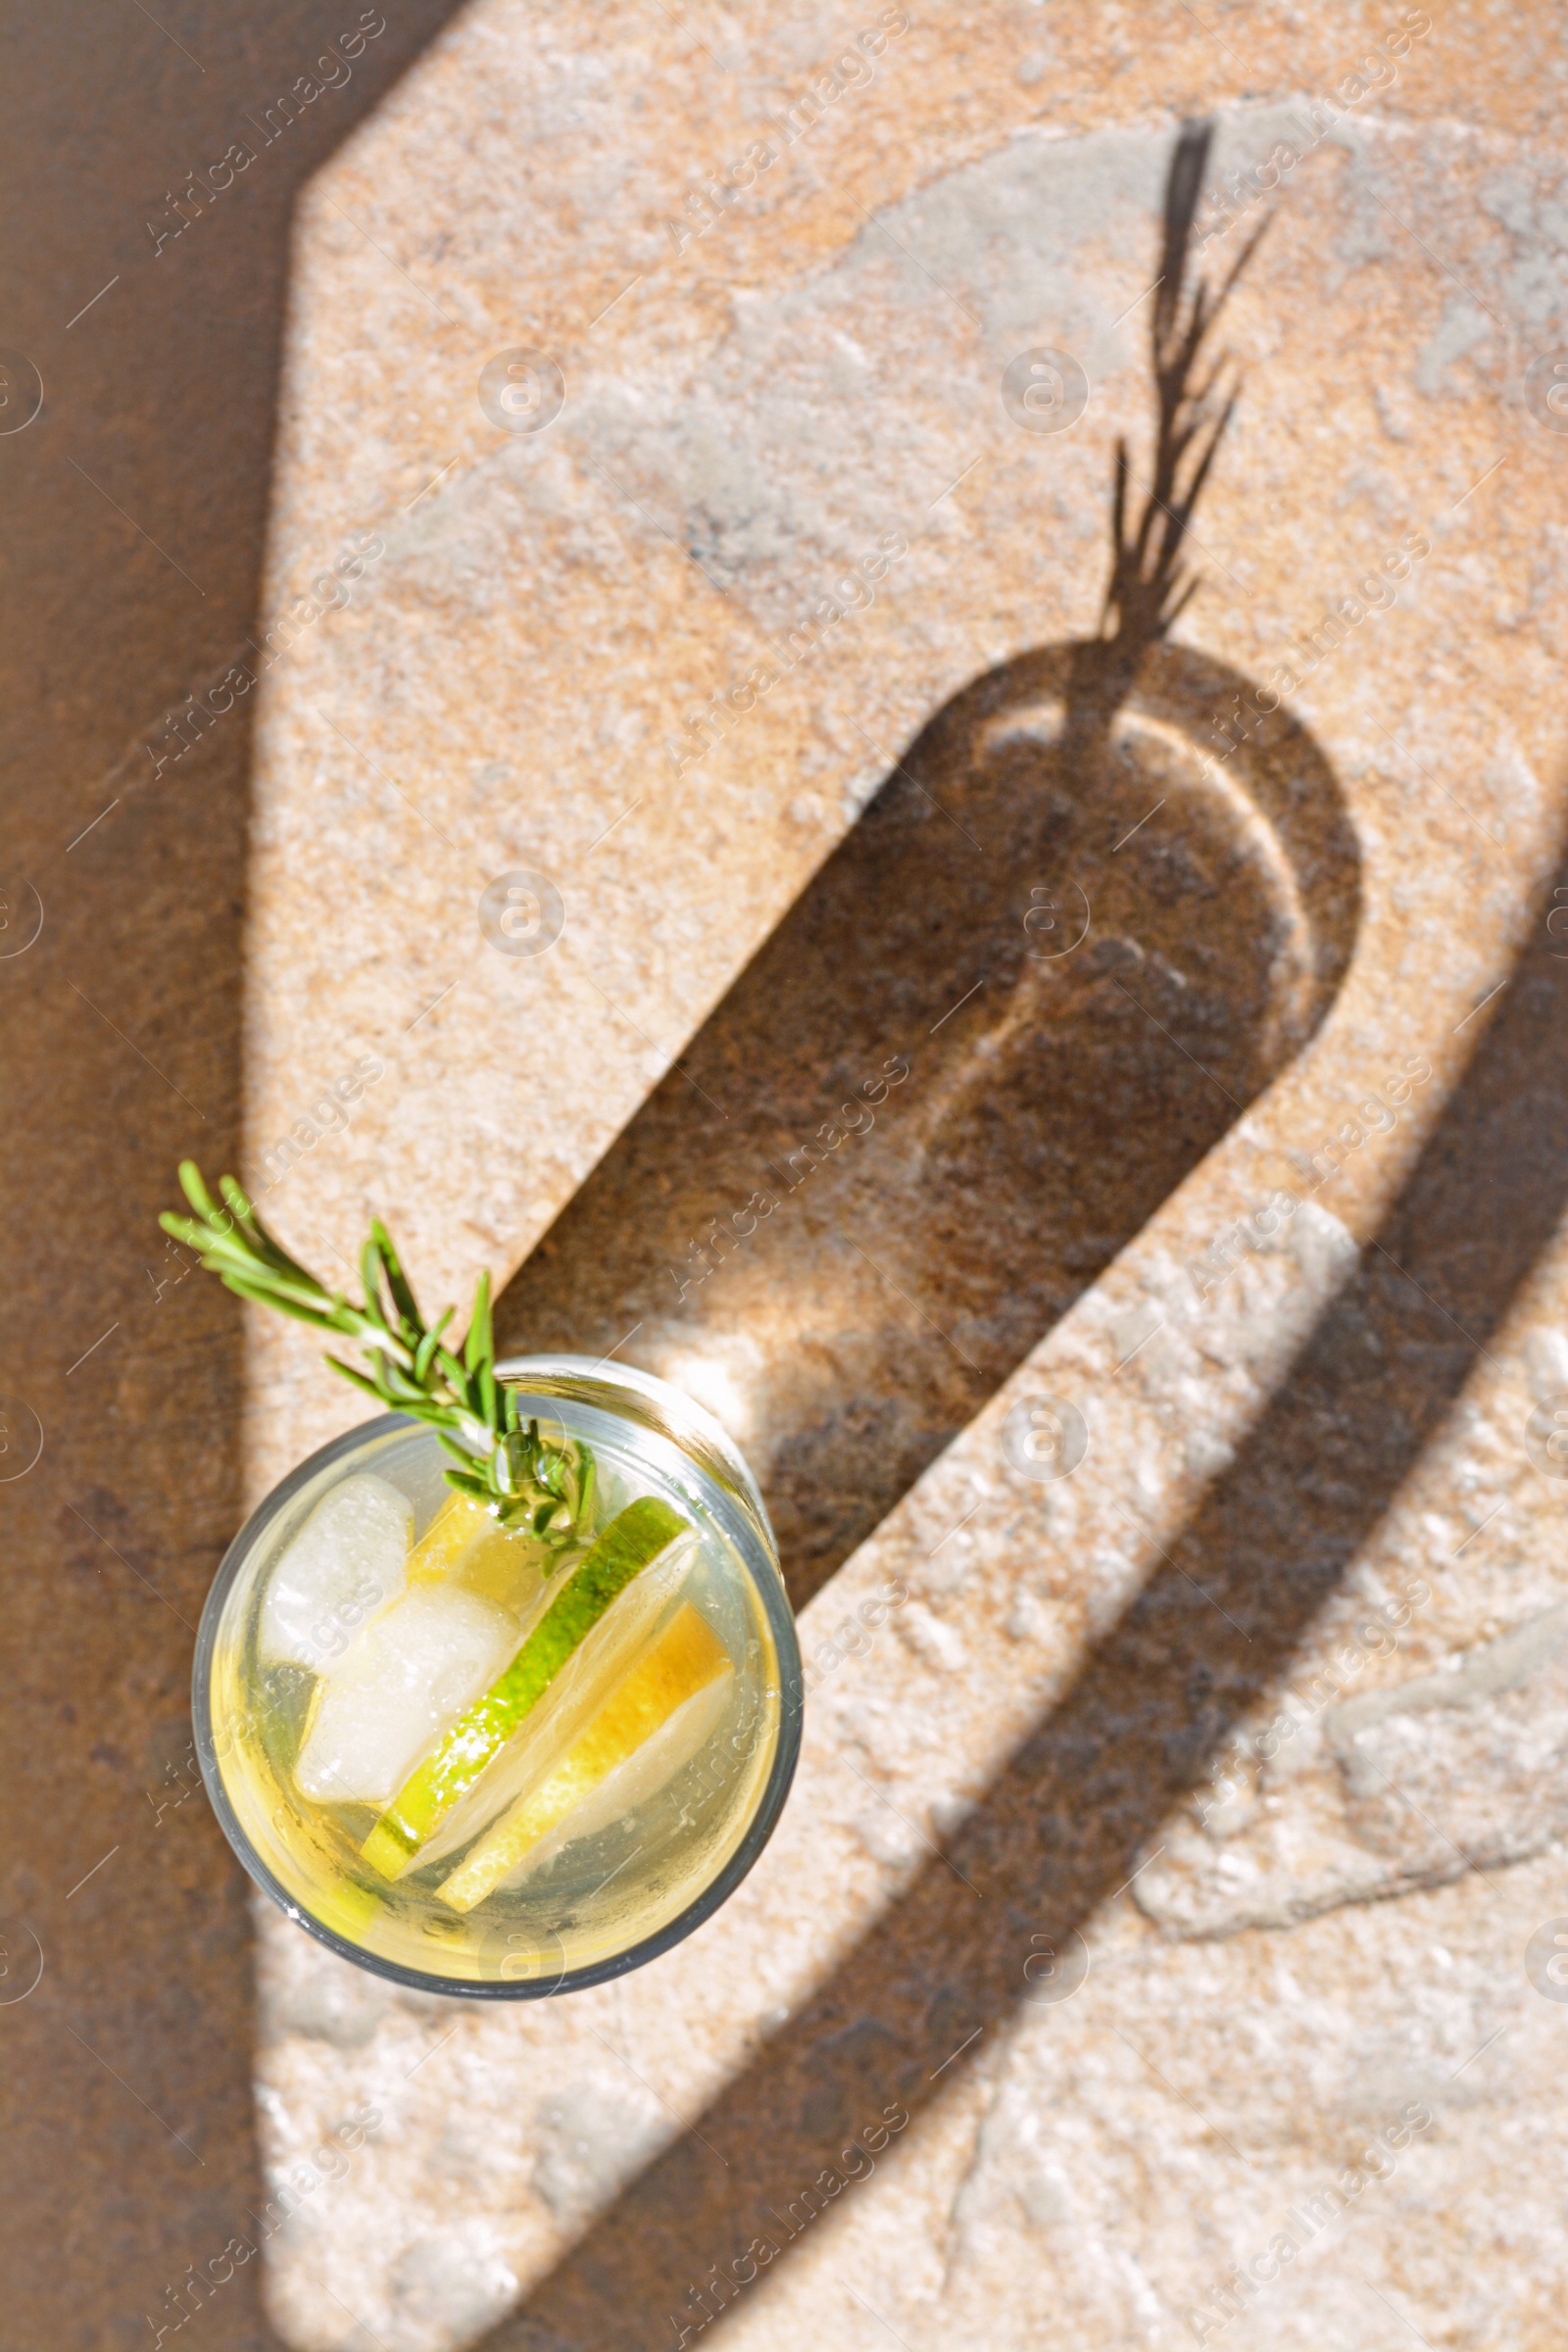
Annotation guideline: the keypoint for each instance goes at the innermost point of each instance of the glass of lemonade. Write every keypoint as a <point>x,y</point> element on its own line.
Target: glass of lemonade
<point>488,1762</point>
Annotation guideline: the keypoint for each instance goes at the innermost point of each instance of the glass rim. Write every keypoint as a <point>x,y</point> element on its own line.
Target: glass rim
<point>683,1423</point>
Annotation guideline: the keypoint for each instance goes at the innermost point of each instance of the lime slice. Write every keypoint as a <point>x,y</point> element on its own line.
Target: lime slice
<point>687,1660</point>
<point>633,1540</point>
<point>598,1666</point>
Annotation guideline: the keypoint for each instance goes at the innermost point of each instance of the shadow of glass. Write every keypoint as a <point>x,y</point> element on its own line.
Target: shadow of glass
<point>1062,1827</point>
<point>1119,909</point>
<point>1060,951</point>
<point>136,504</point>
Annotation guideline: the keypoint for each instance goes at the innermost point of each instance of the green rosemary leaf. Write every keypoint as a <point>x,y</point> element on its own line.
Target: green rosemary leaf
<point>266,1295</point>
<point>195,1191</point>
<point>208,1239</point>
<point>184,1229</point>
<point>467,1484</point>
<point>425,1353</point>
<point>397,1281</point>
<point>244,1215</point>
<point>371,1279</point>
<point>479,1346</point>
<point>523,1478</point>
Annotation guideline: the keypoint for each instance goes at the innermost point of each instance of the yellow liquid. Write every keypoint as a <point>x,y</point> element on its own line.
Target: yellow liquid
<point>568,1901</point>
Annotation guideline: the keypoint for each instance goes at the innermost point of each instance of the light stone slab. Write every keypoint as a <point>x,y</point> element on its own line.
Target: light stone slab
<point>747,419</point>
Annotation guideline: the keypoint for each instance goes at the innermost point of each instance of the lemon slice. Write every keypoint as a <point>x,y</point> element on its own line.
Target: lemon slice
<point>460,1523</point>
<point>595,1669</point>
<point>656,1704</point>
<point>634,1538</point>
<point>464,1545</point>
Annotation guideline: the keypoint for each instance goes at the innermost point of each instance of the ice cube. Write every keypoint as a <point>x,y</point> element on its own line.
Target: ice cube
<point>405,1681</point>
<point>346,1564</point>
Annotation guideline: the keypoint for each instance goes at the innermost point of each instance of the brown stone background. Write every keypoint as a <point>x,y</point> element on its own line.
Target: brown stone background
<point>500,174</point>
<point>127,2144</point>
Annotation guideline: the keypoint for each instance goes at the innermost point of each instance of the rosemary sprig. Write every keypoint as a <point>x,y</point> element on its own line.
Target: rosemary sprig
<point>528,1482</point>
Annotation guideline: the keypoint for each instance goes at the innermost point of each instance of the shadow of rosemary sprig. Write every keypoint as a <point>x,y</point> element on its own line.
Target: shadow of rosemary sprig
<point>1148,588</point>
<point>528,1482</point>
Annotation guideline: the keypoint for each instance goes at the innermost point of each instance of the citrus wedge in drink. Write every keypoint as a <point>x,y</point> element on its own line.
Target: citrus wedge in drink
<point>457,1527</point>
<point>464,1545</point>
<point>633,1540</point>
<point>668,1702</point>
<point>595,1668</point>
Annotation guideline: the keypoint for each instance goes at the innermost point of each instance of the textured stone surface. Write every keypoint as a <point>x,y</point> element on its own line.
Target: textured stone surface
<point>127,2143</point>
<point>1006,1770</point>
<point>1050,1753</point>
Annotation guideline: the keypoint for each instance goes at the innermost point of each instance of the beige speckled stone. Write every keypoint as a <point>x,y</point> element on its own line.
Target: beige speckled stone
<point>818,373</point>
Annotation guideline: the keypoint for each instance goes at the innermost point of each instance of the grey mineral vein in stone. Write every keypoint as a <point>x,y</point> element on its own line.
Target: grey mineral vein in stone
<point>1407,1786</point>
